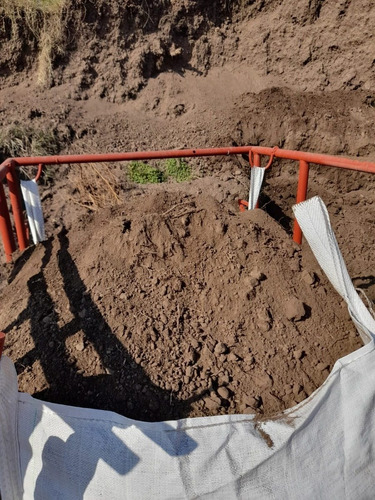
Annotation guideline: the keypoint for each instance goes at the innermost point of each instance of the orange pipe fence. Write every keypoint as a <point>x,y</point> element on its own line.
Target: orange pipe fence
<point>6,227</point>
<point>2,339</point>
<point>303,179</point>
<point>320,159</point>
<point>16,202</point>
<point>8,170</point>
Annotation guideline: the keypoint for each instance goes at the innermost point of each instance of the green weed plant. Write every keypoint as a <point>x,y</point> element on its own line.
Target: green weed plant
<point>172,169</point>
<point>178,169</point>
<point>142,173</point>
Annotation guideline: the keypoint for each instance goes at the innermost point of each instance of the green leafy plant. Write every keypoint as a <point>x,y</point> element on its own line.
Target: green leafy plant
<point>143,173</point>
<point>171,169</point>
<point>178,169</point>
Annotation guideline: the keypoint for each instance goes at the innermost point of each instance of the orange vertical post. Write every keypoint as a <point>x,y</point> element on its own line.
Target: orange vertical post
<point>256,160</point>
<point>303,179</point>
<point>6,230</point>
<point>16,202</point>
<point>2,340</point>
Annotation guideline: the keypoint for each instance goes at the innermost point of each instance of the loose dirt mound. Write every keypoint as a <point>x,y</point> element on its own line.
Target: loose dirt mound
<point>172,305</point>
<point>175,304</point>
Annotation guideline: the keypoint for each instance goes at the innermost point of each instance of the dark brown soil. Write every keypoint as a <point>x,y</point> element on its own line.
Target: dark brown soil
<point>173,303</point>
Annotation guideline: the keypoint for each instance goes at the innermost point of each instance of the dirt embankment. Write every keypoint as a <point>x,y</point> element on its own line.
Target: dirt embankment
<point>113,49</point>
<point>160,74</point>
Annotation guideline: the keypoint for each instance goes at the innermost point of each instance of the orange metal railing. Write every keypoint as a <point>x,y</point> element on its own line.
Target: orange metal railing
<point>8,170</point>
<point>2,339</point>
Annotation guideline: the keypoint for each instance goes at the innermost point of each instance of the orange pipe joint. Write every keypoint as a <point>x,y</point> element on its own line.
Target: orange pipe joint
<point>303,179</point>
<point>2,340</point>
<point>39,173</point>
<point>243,205</point>
<point>6,230</point>
<point>16,202</point>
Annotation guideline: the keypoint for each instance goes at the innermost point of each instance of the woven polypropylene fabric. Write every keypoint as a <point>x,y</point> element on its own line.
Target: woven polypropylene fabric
<point>323,448</point>
<point>10,478</point>
<point>313,218</point>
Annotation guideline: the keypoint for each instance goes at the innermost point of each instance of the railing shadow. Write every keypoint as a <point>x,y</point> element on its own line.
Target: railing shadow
<point>364,282</point>
<point>20,263</point>
<point>276,212</point>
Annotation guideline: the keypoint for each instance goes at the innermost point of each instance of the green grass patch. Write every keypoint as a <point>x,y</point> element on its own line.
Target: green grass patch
<point>142,173</point>
<point>172,169</point>
<point>178,169</point>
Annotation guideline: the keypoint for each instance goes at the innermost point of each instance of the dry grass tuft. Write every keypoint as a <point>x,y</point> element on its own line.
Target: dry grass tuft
<point>96,186</point>
<point>46,20</point>
<point>18,141</point>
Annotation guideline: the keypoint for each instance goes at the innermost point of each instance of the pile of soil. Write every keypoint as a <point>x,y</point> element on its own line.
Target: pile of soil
<point>171,305</point>
<point>174,304</point>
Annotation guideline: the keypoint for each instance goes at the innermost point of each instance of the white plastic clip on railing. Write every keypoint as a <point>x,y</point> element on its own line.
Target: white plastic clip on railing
<point>30,193</point>
<point>256,181</point>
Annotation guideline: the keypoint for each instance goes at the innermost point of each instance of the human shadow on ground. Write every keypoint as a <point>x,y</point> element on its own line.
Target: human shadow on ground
<point>20,263</point>
<point>67,385</point>
<point>69,465</point>
<point>124,387</point>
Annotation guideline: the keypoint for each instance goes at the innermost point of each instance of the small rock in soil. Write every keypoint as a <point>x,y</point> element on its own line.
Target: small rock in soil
<point>211,404</point>
<point>258,275</point>
<point>298,354</point>
<point>297,388</point>
<point>295,309</point>
<point>220,348</point>
<point>322,366</point>
<point>80,345</point>
<point>300,397</point>
<point>232,357</point>
<point>223,392</point>
<point>264,326</point>
<point>248,410</point>
<point>308,278</point>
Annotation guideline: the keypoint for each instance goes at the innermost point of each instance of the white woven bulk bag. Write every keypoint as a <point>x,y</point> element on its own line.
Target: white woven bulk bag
<point>322,448</point>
